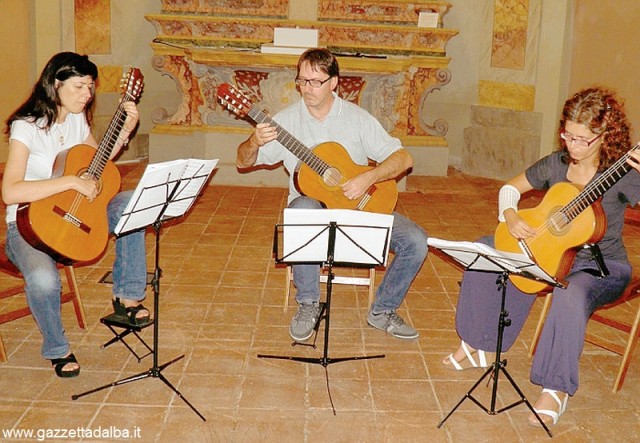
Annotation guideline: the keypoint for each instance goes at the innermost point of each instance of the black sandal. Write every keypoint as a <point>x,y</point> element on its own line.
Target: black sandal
<point>59,364</point>
<point>130,314</point>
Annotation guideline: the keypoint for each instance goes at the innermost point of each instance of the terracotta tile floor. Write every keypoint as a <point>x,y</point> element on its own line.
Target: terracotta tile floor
<point>221,304</point>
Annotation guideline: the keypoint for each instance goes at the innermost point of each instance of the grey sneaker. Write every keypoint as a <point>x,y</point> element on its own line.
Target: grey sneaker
<point>304,321</point>
<point>393,324</point>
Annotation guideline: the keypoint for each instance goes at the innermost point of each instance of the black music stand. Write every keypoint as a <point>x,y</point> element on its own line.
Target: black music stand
<point>331,237</point>
<point>480,257</point>
<point>165,191</point>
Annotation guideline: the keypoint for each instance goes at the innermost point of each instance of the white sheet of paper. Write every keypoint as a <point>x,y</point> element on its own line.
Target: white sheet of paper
<point>480,257</point>
<point>193,178</point>
<point>359,236</point>
<point>155,189</point>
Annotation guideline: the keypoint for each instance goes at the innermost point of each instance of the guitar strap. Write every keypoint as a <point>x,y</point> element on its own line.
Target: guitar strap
<point>596,255</point>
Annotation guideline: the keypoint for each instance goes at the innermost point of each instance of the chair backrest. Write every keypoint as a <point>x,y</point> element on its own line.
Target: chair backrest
<point>631,218</point>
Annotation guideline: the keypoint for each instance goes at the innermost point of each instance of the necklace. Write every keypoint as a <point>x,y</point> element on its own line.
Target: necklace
<point>61,138</point>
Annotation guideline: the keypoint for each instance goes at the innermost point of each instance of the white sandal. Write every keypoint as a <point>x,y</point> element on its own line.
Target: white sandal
<point>467,363</point>
<point>555,415</point>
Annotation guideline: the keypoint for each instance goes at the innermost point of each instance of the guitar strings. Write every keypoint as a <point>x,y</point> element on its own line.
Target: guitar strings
<point>291,143</point>
<point>102,155</point>
<point>108,141</point>
<point>296,147</point>
<point>584,199</point>
<point>363,201</point>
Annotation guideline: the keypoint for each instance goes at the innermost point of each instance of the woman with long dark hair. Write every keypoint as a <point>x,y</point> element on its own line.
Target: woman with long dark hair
<point>56,117</point>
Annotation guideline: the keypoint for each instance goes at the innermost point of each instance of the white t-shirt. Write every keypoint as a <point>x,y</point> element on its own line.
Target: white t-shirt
<point>44,146</point>
<point>362,136</point>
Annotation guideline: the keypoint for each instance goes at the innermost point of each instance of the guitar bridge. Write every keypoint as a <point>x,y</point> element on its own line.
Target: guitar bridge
<point>71,219</point>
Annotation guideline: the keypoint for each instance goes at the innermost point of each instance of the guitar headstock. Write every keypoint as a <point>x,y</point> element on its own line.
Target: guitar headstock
<point>233,99</point>
<point>132,83</point>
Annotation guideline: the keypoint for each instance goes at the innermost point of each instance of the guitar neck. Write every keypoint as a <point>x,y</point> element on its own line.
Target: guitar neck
<point>599,186</point>
<point>295,146</point>
<point>109,140</point>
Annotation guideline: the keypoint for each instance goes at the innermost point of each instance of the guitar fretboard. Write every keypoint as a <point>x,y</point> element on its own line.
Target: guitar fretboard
<point>295,146</point>
<point>598,187</point>
<point>108,142</point>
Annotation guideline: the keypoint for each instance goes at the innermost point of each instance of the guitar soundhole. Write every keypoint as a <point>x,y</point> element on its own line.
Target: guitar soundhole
<point>332,177</point>
<point>558,223</point>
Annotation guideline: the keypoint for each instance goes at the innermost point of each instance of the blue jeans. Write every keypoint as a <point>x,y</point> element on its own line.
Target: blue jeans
<point>409,244</point>
<point>42,279</point>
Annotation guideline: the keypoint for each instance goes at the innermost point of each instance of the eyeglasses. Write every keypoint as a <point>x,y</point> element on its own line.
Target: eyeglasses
<point>570,138</point>
<point>314,83</point>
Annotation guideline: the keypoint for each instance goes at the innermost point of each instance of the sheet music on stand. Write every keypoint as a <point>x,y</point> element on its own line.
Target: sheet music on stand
<point>361,237</point>
<point>177,182</point>
<point>480,257</point>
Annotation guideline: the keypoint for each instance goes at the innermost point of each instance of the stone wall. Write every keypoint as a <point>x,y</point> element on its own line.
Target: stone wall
<point>501,143</point>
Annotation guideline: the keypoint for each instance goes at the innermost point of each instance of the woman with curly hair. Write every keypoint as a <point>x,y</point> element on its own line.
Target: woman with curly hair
<point>593,133</point>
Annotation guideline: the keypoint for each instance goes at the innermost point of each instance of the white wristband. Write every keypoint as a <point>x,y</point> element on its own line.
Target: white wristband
<point>508,197</point>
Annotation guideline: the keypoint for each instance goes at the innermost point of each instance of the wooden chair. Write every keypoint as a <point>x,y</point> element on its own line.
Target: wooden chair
<point>632,216</point>
<point>369,280</point>
<point>72,295</point>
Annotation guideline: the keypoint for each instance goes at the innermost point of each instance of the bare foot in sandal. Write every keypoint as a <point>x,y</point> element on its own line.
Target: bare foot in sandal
<point>67,366</point>
<point>132,310</point>
<point>549,407</point>
<point>465,357</point>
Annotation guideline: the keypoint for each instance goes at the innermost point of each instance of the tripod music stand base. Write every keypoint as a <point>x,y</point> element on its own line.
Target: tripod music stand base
<point>154,372</point>
<point>319,360</point>
<point>325,360</point>
<point>495,369</point>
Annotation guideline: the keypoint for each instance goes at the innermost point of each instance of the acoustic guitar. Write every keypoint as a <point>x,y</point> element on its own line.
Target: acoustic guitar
<point>66,225</point>
<point>567,218</point>
<point>324,169</point>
